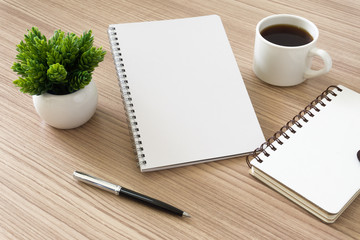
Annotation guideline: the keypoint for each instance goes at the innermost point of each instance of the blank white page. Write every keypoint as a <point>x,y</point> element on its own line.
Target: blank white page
<point>319,161</point>
<point>190,99</point>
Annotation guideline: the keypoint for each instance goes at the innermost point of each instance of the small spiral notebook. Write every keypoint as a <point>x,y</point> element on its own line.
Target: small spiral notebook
<point>183,92</point>
<point>313,159</point>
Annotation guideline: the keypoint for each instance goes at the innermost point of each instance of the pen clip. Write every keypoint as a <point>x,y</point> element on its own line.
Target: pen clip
<point>110,187</point>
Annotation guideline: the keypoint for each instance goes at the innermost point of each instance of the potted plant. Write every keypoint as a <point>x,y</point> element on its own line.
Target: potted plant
<point>58,74</point>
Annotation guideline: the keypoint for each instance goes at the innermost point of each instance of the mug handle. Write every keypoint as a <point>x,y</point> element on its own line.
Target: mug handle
<point>327,62</point>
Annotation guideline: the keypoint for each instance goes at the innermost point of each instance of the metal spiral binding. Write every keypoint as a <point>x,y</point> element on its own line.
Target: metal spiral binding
<point>288,126</point>
<point>126,96</point>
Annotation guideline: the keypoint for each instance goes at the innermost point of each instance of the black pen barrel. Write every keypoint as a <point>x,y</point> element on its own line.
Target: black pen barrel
<point>150,201</point>
<point>117,190</point>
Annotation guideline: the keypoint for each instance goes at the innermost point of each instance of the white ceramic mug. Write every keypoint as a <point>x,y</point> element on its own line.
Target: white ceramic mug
<point>287,66</point>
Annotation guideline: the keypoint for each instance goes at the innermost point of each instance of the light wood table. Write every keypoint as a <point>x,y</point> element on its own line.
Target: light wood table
<point>39,198</point>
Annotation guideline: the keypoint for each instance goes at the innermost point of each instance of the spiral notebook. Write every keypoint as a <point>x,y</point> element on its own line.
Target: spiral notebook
<point>183,92</point>
<point>313,159</point>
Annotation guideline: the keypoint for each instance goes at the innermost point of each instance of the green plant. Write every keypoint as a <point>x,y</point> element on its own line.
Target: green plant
<point>61,65</point>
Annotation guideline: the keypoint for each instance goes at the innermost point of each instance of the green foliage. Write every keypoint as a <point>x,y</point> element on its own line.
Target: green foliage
<point>61,65</point>
<point>57,74</point>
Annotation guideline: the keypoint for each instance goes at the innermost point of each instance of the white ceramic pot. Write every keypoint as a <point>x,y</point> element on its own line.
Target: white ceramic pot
<point>67,111</point>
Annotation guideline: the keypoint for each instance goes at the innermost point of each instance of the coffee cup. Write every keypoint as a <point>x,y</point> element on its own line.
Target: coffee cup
<point>284,48</point>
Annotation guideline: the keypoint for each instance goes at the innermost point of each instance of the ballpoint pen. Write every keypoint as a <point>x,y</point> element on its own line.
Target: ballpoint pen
<point>118,190</point>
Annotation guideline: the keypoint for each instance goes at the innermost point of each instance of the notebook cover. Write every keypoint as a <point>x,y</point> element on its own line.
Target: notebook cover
<point>190,101</point>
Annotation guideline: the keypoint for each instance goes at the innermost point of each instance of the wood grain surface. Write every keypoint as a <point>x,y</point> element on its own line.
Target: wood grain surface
<point>39,198</point>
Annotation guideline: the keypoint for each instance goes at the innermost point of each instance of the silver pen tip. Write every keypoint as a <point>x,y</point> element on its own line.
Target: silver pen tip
<point>185,214</point>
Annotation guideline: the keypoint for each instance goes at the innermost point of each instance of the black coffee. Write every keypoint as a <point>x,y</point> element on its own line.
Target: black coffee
<point>286,35</point>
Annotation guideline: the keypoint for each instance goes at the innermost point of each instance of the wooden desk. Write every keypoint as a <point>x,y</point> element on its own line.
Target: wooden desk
<point>39,198</point>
